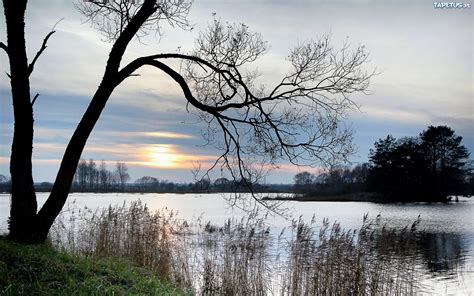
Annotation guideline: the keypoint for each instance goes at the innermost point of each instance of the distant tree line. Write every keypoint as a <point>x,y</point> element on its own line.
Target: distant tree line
<point>4,183</point>
<point>429,167</point>
<point>152,184</point>
<point>336,181</point>
<point>90,177</point>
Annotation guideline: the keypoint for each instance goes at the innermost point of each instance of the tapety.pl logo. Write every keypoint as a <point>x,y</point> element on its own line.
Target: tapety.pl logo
<point>448,5</point>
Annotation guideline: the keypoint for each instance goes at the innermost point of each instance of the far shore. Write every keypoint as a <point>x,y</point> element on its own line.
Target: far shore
<point>350,197</point>
<point>286,196</point>
<point>358,196</point>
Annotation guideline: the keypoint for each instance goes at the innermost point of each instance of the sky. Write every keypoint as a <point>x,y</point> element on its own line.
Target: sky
<point>423,56</point>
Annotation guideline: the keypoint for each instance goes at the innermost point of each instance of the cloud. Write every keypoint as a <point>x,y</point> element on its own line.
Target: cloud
<point>396,115</point>
<point>424,55</point>
<point>171,135</point>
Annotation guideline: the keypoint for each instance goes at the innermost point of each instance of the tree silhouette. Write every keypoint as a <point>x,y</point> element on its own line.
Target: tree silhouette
<point>303,181</point>
<point>3,179</point>
<point>121,171</point>
<point>298,119</point>
<point>446,159</point>
<point>4,183</point>
<point>336,180</point>
<point>429,167</point>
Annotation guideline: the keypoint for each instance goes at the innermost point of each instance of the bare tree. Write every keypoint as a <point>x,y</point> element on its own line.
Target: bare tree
<point>147,181</point>
<point>103,176</point>
<point>298,119</point>
<point>304,179</point>
<point>92,174</point>
<point>121,171</point>
<point>81,174</point>
<point>4,183</point>
<point>4,179</point>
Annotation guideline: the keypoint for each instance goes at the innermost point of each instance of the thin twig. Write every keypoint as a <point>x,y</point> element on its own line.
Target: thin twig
<point>34,99</point>
<point>43,47</point>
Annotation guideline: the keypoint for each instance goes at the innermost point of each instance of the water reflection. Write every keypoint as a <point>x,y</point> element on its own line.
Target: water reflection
<point>443,253</point>
<point>443,259</point>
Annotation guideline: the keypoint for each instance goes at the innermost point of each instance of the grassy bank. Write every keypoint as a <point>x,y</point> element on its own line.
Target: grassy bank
<point>41,270</point>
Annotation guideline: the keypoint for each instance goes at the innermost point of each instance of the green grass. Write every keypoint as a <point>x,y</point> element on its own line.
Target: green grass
<point>42,270</point>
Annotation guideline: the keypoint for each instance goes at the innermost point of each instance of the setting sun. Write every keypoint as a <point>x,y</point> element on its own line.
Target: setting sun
<point>163,156</point>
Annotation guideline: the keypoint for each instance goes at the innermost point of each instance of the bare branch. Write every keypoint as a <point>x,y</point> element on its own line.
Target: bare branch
<point>43,47</point>
<point>40,51</point>
<point>299,120</point>
<point>34,99</point>
<point>112,17</point>
<point>4,47</point>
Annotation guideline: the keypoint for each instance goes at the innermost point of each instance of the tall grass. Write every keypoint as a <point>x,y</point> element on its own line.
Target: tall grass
<point>150,239</point>
<point>332,261</point>
<point>244,257</point>
<point>235,258</point>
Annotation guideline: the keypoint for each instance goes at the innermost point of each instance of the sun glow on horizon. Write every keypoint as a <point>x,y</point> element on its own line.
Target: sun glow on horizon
<point>164,156</point>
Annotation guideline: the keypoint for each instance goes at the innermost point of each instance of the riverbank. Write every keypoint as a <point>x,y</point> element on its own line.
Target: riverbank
<point>358,196</point>
<point>355,197</point>
<point>42,270</point>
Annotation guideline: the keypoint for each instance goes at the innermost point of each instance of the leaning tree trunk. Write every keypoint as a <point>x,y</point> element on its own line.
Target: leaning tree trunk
<point>110,80</point>
<point>26,225</point>
<point>72,155</point>
<point>23,199</point>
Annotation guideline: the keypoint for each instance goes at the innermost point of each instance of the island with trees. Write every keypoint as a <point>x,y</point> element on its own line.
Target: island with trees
<point>432,167</point>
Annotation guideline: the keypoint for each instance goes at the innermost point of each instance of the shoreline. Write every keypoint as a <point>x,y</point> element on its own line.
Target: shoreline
<point>360,197</point>
<point>348,197</point>
<point>291,196</point>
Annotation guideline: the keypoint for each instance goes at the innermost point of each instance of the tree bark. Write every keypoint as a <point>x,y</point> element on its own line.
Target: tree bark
<point>23,199</point>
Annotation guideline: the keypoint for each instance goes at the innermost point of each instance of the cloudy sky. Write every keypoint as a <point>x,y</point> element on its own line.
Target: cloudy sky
<point>424,56</point>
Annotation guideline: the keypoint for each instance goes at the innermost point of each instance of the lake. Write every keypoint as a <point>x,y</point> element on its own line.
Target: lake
<point>448,240</point>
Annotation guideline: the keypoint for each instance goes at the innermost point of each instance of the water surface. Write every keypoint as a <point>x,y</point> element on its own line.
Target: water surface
<point>447,244</point>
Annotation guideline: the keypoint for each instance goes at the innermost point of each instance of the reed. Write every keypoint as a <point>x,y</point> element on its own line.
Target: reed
<point>245,257</point>
<point>332,261</point>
